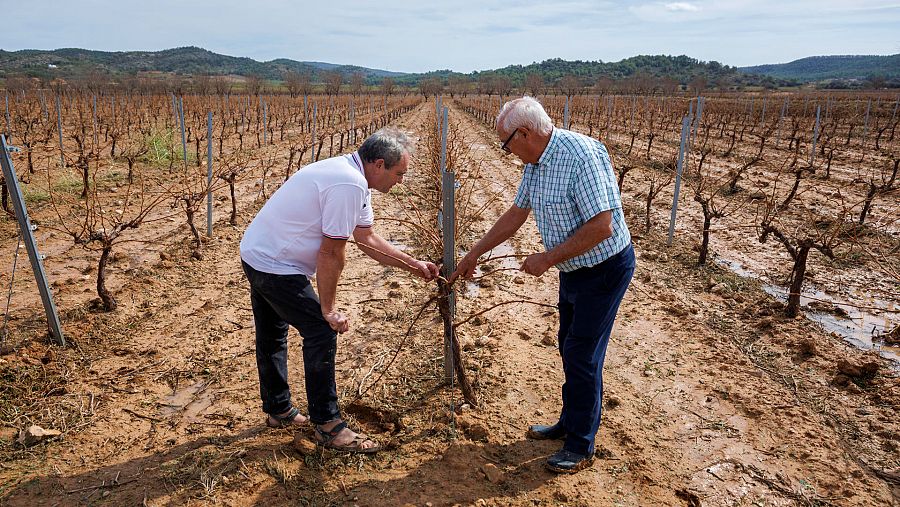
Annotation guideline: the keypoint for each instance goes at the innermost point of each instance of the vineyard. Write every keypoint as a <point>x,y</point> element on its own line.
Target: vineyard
<point>754,360</point>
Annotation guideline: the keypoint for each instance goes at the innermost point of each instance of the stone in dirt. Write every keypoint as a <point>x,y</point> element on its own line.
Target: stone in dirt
<point>35,434</point>
<point>494,475</point>
<point>549,340</point>
<point>612,402</point>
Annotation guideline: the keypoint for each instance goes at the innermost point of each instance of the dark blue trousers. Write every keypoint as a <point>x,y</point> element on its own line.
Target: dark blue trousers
<point>280,301</point>
<point>588,301</point>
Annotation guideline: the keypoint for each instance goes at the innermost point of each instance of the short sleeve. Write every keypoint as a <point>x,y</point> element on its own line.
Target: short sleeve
<point>523,199</point>
<point>594,187</point>
<point>341,208</point>
<point>366,215</point>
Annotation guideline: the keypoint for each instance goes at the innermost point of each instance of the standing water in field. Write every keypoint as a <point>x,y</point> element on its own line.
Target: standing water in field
<point>855,325</point>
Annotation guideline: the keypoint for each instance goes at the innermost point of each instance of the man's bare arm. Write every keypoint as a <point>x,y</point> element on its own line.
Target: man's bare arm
<point>384,252</point>
<point>587,236</point>
<point>330,263</point>
<point>502,230</point>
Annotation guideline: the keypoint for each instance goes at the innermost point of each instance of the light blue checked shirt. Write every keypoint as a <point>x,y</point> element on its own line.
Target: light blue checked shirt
<point>572,182</point>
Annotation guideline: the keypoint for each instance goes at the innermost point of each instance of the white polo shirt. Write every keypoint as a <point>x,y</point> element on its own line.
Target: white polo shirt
<point>328,198</point>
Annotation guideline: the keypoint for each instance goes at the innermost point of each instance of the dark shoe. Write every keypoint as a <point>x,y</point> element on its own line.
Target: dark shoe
<point>541,432</point>
<point>568,462</point>
<point>325,438</point>
<point>290,420</point>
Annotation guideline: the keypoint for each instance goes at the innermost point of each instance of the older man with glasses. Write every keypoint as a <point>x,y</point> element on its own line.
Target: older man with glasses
<point>570,184</point>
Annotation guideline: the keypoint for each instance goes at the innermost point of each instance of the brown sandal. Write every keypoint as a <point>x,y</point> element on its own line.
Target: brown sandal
<point>325,438</point>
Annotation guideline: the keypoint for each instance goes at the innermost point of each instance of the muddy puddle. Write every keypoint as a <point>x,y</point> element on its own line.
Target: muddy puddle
<point>189,401</point>
<point>859,326</point>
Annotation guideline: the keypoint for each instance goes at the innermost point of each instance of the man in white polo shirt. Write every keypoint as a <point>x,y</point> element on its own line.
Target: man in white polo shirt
<point>303,230</point>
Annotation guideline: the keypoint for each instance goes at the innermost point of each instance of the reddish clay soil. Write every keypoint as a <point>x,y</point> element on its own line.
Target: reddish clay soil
<point>712,397</point>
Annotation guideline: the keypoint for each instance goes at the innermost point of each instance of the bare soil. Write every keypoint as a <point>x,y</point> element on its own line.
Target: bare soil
<point>712,398</point>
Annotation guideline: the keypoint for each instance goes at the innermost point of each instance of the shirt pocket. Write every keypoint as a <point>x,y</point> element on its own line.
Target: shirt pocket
<point>563,215</point>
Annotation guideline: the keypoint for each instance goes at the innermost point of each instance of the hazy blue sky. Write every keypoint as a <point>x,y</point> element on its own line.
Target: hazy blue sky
<point>462,35</point>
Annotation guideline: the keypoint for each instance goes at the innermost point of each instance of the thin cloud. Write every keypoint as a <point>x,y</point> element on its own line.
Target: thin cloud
<point>681,7</point>
<point>413,36</point>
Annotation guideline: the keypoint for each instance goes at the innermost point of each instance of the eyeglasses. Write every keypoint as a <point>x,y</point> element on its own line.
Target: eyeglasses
<point>505,145</point>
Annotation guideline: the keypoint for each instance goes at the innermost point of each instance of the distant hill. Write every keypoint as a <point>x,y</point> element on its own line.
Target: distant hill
<point>819,68</point>
<point>72,62</point>
<point>681,69</point>
<point>189,61</point>
<point>75,63</point>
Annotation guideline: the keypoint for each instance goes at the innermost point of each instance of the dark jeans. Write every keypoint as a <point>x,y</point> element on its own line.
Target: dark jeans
<point>588,301</point>
<point>280,301</point>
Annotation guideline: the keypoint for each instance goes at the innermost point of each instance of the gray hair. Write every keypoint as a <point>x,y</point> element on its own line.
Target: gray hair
<point>388,143</point>
<point>524,112</point>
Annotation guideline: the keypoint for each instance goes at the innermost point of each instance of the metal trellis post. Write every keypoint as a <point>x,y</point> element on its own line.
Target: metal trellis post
<point>7,114</point>
<point>209,175</point>
<point>25,228</point>
<point>448,226</point>
<point>312,155</point>
<point>812,152</point>
<point>62,158</point>
<point>181,119</point>
<point>685,126</point>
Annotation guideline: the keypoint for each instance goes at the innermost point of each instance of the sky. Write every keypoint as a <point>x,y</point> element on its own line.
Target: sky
<point>463,35</point>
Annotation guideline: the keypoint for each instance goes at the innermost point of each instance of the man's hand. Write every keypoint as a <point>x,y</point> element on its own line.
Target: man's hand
<point>465,268</point>
<point>339,322</point>
<point>536,264</point>
<point>427,270</point>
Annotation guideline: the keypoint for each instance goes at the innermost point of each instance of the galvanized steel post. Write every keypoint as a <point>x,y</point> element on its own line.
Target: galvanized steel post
<point>209,175</point>
<point>812,152</point>
<point>685,126</point>
<point>62,158</point>
<point>25,228</point>
<point>448,227</point>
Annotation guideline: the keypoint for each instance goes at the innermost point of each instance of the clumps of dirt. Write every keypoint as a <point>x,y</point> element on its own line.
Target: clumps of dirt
<point>892,337</point>
<point>610,402</point>
<point>388,420</point>
<point>829,308</point>
<point>473,429</point>
<point>859,374</point>
<point>804,349</point>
